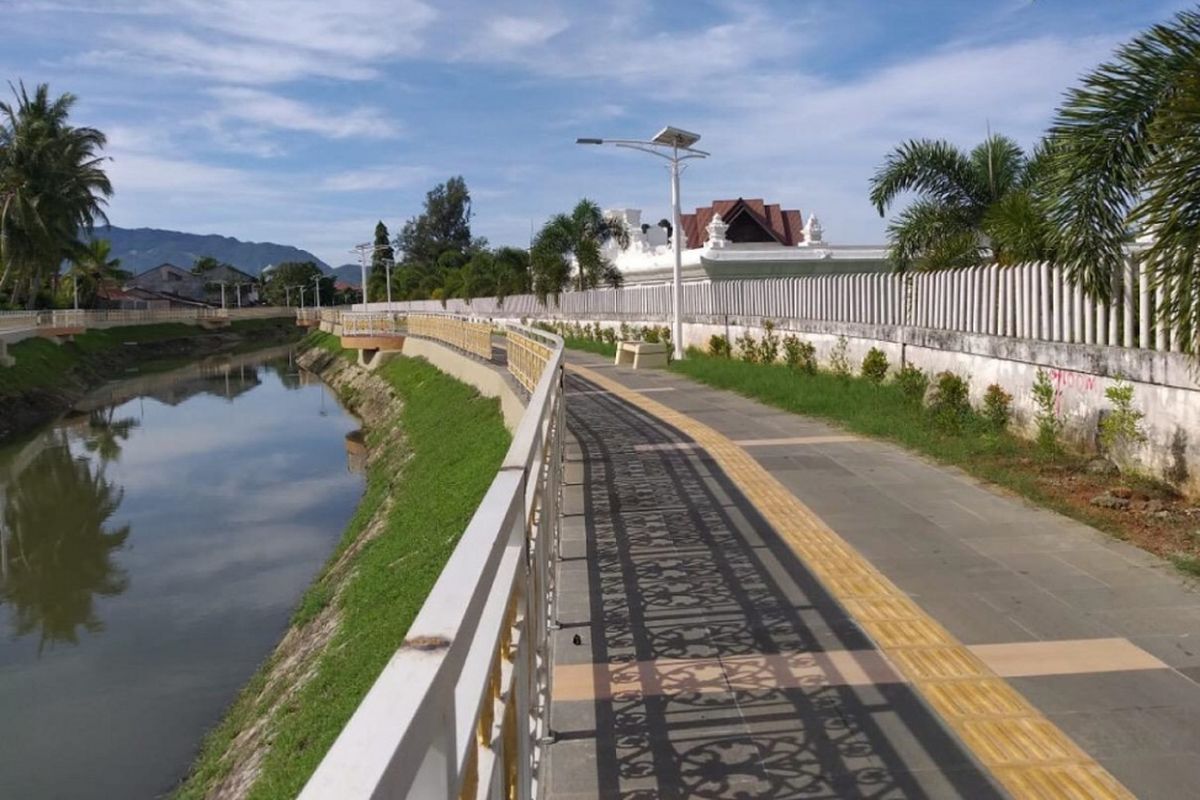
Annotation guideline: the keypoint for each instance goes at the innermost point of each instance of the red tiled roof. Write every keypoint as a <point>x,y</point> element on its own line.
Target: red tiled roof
<point>785,226</point>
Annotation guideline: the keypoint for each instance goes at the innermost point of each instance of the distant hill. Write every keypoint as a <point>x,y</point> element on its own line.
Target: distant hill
<point>142,248</point>
<point>350,273</point>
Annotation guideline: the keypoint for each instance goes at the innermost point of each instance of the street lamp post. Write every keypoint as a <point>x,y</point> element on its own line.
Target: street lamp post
<point>365,252</point>
<point>287,296</point>
<point>674,145</point>
<point>317,289</point>
<point>301,287</point>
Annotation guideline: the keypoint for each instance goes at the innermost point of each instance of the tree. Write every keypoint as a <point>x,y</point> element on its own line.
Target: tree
<point>205,264</point>
<point>377,278</point>
<point>56,514</point>
<point>572,245</point>
<point>971,207</point>
<point>93,268</point>
<point>52,185</point>
<point>286,278</point>
<point>1127,159</point>
<point>445,224</point>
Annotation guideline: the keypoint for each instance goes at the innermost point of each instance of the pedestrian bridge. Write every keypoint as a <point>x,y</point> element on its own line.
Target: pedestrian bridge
<point>673,591</point>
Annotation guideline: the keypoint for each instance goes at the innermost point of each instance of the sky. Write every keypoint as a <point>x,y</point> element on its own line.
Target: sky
<point>304,122</point>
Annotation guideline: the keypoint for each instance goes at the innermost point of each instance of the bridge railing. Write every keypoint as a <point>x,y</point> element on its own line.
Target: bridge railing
<point>460,710</point>
<point>372,323</point>
<point>462,332</point>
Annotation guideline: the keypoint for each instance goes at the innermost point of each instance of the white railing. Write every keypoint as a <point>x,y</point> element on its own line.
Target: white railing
<point>1029,301</point>
<point>461,709</point>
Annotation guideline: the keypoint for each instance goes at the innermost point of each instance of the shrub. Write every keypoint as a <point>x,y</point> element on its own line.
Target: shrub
<point>875,366</point>
<point>610,336</point>
<point>649,334</point>
<point>747,348</point>
<point>800,356</point>
<point>626,334</point>
<point>1049,425</point>
<point>997,407</point>
<point>912,383</point>
<point>768,348</point>
<point>949,401</point>
<point>1121,428</point>
<point>719,346</point>
<point>839,358</point>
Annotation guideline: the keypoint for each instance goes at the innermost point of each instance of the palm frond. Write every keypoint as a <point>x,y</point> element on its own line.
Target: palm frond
<point>1104,147</point>
<point>936,169</point>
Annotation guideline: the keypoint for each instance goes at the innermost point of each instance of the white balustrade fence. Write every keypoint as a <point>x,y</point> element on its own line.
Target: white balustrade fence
<point>460,710</point>
<point>1029,301</point>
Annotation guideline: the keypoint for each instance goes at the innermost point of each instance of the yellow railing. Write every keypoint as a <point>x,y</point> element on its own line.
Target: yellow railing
<point>527,357</point>
<point>375,323</point>
<point>473,337</point>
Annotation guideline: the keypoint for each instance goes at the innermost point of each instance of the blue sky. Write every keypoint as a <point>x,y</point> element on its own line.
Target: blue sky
<point>304,122</point>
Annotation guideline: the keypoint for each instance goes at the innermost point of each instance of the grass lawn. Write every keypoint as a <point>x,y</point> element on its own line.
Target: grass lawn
<point>590,346</point>
<point>884,412</point>
<point>455,440</point>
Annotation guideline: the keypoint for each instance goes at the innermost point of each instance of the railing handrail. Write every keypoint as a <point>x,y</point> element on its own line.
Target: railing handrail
<point>429,726</point>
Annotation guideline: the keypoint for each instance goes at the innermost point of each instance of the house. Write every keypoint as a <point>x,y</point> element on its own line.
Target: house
<point>168,280</point>
<point>235,281</point>
<point>739,238</point>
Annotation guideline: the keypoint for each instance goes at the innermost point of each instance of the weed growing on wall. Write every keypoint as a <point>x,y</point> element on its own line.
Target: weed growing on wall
<point>800,356</point>
<point>1049,424</point>
<point>997,407</point>
<point>768,348</point>
<point>875,366</point>
<point>1121,428</point>
<point>949,401</point>
<point>747,348</point>
<point>719,347</point>
<point>839,358</point>
<point>912,382</point>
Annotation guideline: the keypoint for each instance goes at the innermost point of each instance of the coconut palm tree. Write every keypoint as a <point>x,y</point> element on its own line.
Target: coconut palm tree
<point>93,268</point>
<point>572,244</point>
<point>1128,160</point>
<point>971,208</point>
<point>53,183</point>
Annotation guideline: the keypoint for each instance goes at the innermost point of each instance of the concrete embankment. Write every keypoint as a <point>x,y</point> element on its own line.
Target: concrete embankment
<point>433,447</point>
<point>49,378</point>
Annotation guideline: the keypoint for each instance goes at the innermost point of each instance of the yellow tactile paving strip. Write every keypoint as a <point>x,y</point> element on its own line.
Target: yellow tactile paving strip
<point>1025,752</point>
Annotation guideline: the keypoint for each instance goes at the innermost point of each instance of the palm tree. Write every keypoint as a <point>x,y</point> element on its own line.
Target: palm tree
<point>53,184</point>
<point>1127,159</point>
<point>93,268</point>
<point>971,207</point>
<point>57,515</point>
<point>573,244</point>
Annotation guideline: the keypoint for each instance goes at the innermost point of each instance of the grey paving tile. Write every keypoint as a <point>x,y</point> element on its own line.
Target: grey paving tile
<point>1111,691</point>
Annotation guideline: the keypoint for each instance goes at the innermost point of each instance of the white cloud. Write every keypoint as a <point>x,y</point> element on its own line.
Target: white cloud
<point>393,176</point>
<point>267,110</point>
<point>263,41</point>
<point>507,31</point>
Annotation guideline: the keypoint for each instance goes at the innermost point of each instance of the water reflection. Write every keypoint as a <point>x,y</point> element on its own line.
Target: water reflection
<point>58,544</point>
<point>153,544</point>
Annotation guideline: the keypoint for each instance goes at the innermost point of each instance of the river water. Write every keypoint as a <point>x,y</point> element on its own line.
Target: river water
<point>153,544</point>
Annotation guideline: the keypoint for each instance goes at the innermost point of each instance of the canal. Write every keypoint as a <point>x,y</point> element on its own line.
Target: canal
<point>153,544</point>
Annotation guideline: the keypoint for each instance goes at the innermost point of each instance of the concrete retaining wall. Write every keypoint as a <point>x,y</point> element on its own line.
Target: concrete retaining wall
<point>486,378</point>
<point>1166,388</point>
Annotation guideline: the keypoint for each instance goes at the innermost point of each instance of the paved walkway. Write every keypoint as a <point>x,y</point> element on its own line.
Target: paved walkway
<point>755,604</point>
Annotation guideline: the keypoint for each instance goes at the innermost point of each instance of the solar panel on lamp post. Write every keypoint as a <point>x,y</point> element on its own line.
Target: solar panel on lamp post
<point>669,144</point>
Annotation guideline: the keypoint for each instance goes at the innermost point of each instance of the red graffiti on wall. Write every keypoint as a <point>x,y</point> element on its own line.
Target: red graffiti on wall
<point>1066,379</point>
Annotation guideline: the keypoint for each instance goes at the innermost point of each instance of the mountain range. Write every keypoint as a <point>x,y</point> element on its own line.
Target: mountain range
<point>140,249</point>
